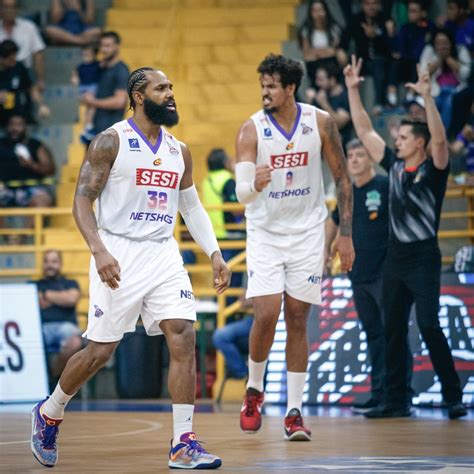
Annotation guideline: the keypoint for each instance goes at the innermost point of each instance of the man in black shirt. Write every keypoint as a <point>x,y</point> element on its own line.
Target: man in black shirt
<point>111,98</point>
<point>26,168</point>
<point>417,184</point>
<point>17,90</point>
<point>58,297</point>
<point>369,233</point>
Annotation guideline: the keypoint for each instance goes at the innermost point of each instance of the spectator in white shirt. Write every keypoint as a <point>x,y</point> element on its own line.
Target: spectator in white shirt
<point>26,35</point>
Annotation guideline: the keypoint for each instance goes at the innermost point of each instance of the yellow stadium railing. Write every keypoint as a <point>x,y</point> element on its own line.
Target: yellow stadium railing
<point>237,264</point>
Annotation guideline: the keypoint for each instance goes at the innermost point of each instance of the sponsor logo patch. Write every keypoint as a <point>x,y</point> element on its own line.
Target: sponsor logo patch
<point>134,143</point>
<point>161,178</point>
<point>289,160</point>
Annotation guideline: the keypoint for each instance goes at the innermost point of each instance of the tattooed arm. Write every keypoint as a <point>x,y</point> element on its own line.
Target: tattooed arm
<point>334,156</point>
<point>92,179</point>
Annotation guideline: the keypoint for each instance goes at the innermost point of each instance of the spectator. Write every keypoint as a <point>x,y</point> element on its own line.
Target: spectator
<point>72,23</point>
<point>111,98</point>
<point>332,97</point>
<point>462,109</point>
<point>26,166</point>
<point>233,341</point>
<point>86,76</point>
<point>416,108</point>
<point>25,34</point>
<point>369,32</point>
<point>58,298</point>
<point>460,25</point>
<point>463,146</point>
<point>319,39</point>
<point>218,188</point>
<point>17,88</point>
<point>409,44</point>
<point>449,67</point>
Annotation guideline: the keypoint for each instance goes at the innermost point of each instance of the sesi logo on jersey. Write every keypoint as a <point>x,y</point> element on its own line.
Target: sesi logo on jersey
<point>161,178</point>
<point>289,160</point>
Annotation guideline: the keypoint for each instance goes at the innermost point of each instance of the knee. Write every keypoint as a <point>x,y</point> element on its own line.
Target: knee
<point>99,354</point>
<point>296,323</point>
<point>181,339</point>
<point>218,338</point>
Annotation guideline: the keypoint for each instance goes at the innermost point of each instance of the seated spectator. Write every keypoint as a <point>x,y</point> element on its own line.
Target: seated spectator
<point>408,46</point>
<point>26,166</point>
<point>86,77</point>
<point>460,25</point>
<point>319,39</point>
<point>463,146</point>
<point>331,96</point>
<point>111,98</point>
<point>449,67</point>
<point>58,298</point>
<point>16,87</point>
<point>26,35</point>
<point>72,23</point>
<point>233,341</point>
<point>369,33</point>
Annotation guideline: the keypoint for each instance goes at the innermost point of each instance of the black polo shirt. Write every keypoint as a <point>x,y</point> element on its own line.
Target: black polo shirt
<point>56,313</point>
<point>369,229</point>
<point>416,198</point>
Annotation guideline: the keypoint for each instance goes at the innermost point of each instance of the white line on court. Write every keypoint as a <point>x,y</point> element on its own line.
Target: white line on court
<point>153,426</point>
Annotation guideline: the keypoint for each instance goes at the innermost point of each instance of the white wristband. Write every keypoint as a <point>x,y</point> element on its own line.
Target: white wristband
<point>245,182</point>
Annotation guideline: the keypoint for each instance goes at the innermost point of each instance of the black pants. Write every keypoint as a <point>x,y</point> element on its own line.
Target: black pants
<point>368,299</point>
<point>412,275</point>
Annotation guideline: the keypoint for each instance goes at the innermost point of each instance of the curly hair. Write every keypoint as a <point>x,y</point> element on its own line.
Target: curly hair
<point>289,70</point>
<point>137,81</point>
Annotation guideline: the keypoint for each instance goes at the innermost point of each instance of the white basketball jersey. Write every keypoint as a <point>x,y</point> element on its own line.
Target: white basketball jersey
<point>140,198</point>
<point>294,200</point>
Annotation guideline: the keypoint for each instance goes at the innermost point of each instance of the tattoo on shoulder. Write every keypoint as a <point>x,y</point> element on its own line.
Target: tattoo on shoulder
<point>97,164</point>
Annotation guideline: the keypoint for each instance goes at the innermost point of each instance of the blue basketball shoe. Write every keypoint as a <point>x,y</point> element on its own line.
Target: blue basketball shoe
<point>44,431</point>
<point>189,454</point>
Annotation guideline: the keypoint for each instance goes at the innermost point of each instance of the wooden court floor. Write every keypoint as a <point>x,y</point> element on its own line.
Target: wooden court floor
<point>138,442</point>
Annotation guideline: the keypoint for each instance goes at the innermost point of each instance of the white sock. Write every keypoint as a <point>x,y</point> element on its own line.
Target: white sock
<point>295,387</point>
<point>256,374</point>
<point>56,403</point>
<point>182,420</point>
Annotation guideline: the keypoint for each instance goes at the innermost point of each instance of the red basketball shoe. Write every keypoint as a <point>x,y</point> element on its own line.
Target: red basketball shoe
<point>250,414</point>
<point>294,427</point>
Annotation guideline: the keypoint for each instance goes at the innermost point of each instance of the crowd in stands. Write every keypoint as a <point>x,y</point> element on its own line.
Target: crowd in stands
<point>392,38</point>
<point>27,171</point>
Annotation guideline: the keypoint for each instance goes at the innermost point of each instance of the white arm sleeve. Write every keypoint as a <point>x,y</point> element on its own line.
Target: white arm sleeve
<point>197,220</point>
<point>245,178</point>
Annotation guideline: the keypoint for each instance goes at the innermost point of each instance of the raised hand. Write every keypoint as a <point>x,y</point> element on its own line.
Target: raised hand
<point>423,85</point>
<point>352,73</point>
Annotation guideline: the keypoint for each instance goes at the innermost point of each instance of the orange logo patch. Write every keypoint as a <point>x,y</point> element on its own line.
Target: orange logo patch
<point>157,162</point>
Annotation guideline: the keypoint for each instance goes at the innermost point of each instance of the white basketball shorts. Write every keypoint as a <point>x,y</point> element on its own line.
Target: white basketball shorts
<point>154,285</point>
<point>290,263</point>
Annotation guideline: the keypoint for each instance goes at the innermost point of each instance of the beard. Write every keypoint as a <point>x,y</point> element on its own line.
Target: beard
<point>159,114</point>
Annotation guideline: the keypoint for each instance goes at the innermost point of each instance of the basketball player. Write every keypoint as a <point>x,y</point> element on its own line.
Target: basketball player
<point>140,176</point>
<point>279,153</point>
